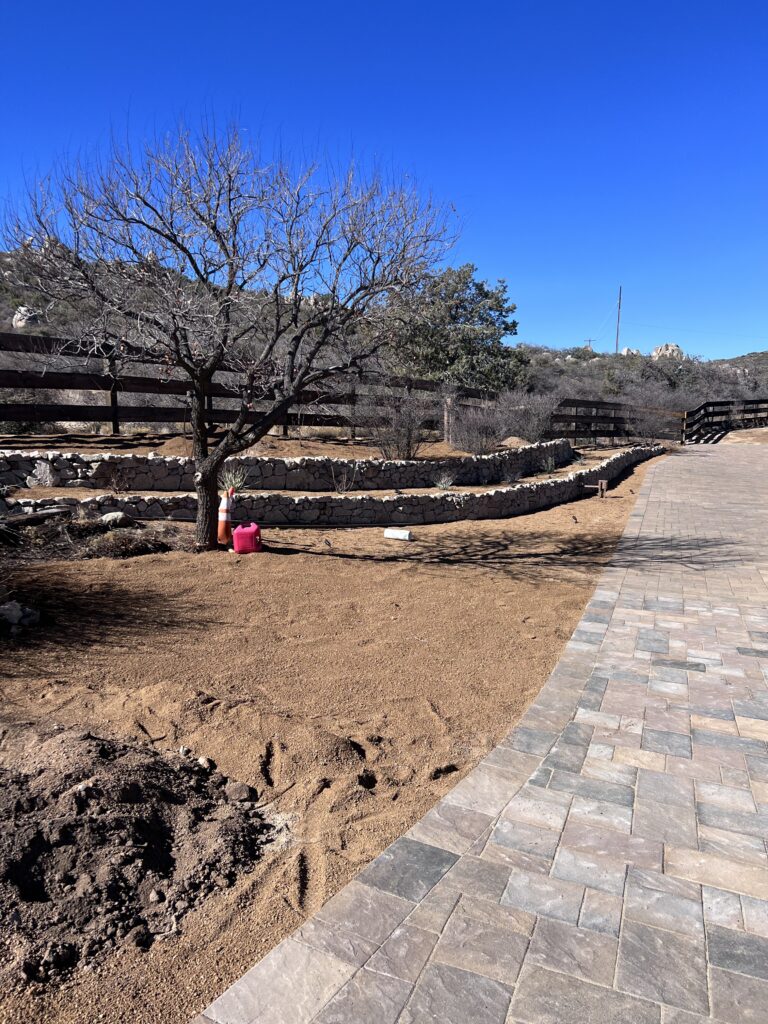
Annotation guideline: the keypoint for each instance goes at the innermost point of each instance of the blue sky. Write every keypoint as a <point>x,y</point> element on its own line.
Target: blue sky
<point>584,145</point>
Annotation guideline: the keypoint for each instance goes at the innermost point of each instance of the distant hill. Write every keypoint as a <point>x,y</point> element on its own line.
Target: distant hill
<point>754,363</point>
<point>61,322</point>
<point>666,380</point>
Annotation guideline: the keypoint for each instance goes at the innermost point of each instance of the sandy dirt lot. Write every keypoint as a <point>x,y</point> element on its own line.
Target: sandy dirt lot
<point>273,445</point>
<point>757,435</point>
<point>350,680</point>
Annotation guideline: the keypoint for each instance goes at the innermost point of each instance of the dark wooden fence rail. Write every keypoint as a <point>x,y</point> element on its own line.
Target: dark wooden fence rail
<point>581,418</point>
<point>575,418</point>
<point>40,344</point>
<point>712,419</point>
<point>315,407</point>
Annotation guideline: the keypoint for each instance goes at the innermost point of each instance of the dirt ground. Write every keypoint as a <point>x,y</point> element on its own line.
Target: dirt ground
<point>757,435</point>
<point>173,444</point>
<point>351,680</point>
<point>105,844</point>
<point>273,445</point>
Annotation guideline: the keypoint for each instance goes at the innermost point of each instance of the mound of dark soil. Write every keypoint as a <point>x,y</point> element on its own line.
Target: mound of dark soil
<point>73,539</point>
<point>105,843</point>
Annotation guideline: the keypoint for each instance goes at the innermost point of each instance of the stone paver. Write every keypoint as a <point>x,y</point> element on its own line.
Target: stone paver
<point>607,861</point>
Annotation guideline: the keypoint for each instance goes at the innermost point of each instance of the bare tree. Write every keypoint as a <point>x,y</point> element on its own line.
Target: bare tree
<point>528,415</point>
<point>400,420</point>
<point>480,429</point>
<point>195,255</point>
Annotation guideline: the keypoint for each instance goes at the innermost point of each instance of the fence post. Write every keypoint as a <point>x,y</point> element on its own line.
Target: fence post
<point>448,419</point>
<point>353,413</point>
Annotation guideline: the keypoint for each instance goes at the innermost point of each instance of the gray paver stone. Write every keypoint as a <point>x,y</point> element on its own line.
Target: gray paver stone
<point>404,953</point>
<point>546,997</point>
<point>367,996</point>
<point>737,998</point>
<point>408,869</point>
<point>450,996</point>
<point>485,938</point>
<point>738,951</point>
<point>663,966</point>
<point>563,947</point>
<point>289,986</point>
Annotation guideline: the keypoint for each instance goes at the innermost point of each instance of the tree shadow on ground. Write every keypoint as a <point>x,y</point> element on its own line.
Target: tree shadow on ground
<point>77,615</point>
<point>536,556</point>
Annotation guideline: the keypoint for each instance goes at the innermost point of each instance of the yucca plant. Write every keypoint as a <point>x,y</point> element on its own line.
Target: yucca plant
<point>232,477</point>
<point>444,481</point>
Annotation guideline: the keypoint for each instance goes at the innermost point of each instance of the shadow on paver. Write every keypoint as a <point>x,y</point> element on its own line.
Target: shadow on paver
<point>543,552</point>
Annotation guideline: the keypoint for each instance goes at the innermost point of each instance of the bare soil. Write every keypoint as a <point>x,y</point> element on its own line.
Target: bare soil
<point>272,445</point>
<point>78,537</point>
<point>756,435</point>
<point>350,680</point>
<point>106,844</point>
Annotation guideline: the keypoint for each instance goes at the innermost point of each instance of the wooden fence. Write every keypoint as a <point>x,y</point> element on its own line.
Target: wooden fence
<point>582,418</point>
<point>575,418</point>
<point>586,418</point>
<point>712,419</point>
<point>315,407</point>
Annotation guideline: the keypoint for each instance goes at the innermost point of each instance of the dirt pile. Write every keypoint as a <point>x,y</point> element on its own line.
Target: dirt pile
<point>81,537</point>
<point>105,843</point>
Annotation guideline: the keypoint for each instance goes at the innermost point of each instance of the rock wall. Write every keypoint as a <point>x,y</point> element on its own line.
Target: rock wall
<point>365,509</point>
<point>161,473</point>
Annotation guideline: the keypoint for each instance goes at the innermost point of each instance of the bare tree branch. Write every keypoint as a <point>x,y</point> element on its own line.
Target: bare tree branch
<point>197,254</point>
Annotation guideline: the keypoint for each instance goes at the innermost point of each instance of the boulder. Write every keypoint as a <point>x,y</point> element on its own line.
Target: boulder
<point>15,616</point>
<point>44,475</point>
<point>668,351</point>
<point>239,792</point>
<point>118,521</point>
<point>25,316</point>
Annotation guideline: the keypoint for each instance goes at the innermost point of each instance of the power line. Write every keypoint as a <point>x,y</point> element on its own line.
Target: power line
<point>607,318</point>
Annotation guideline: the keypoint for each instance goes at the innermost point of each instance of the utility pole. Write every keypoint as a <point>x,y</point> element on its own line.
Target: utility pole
<point>618,322</point>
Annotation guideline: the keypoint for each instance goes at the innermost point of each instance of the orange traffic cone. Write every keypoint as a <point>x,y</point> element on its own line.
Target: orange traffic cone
<point>225,518</point>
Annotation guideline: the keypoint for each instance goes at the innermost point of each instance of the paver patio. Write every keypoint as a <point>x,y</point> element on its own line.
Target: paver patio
<point>607,861</point>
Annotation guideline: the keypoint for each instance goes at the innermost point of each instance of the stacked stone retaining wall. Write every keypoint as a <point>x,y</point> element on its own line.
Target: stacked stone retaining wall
<point>163,473</point>
<point>364,509</point>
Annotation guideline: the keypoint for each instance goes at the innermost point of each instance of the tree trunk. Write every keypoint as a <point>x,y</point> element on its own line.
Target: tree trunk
<point>206,526</point>
<point>208,466</point>
<point>206,473</point>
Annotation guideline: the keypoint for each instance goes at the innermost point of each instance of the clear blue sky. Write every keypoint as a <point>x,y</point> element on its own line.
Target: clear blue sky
<point>585,145</point>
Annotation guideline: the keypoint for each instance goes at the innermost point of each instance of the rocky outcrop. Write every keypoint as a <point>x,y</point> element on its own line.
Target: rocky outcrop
<point>668,351</point>
<point>25,316</point>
